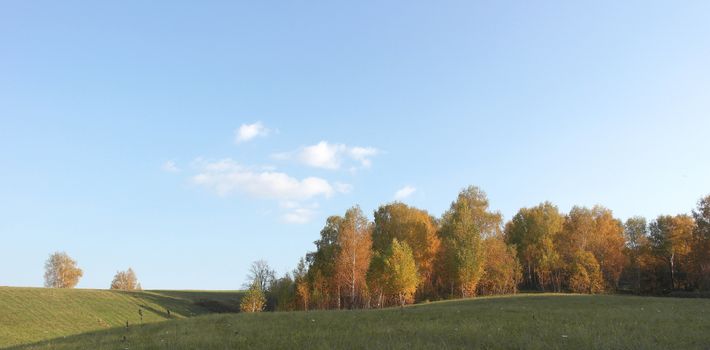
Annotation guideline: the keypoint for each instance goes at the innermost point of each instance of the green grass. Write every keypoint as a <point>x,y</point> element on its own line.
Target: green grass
<point>34,314</point>
<point>541,321</point>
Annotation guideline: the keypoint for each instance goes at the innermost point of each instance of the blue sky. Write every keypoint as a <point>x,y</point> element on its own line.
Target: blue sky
<point>120,122</point>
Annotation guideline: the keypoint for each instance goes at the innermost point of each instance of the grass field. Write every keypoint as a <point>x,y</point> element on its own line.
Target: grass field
<point>539,321</point>
<point>33,314</point>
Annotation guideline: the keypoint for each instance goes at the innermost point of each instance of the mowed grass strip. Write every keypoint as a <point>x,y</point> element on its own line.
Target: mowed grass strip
<point>34,314</point>
<point>539,321</point>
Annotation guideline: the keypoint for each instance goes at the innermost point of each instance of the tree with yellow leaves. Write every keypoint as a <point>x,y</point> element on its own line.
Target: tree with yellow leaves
<point>401,272</point>
<point>125,280</point>
<point>534,232</point>
<point>412,226</point>
<point>464,226</point>
<point>671,239</point>
<point>354,253</point>
<point>595,231</point>
<point>501,272</point>
<point>585,274</point>
<point>300,278</point>
<point>254,300</point>
<point>61,271</point>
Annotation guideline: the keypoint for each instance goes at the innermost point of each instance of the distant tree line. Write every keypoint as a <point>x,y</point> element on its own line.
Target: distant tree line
<point>407,255</point>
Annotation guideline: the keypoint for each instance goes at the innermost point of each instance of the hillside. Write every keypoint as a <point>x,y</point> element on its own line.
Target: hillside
<point>539,321</point>
<point>34,314</point>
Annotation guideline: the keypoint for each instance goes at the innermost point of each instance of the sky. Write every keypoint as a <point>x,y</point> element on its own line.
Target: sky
<point>188,139</point>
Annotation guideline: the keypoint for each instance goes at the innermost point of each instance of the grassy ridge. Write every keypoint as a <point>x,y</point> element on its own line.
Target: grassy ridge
<point>522,321</point>
<point>34,314</point>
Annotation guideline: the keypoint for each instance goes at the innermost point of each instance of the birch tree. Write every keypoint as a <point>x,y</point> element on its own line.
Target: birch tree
<point>61,271</point>
<point>355,243</point>
<point>125,280</point>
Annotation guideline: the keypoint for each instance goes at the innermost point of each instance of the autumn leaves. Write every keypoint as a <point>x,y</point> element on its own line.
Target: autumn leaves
<point>407,255</point>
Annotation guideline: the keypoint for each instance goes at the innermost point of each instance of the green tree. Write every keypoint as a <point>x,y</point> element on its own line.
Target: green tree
<point>700,251</point>
<point>636,234</point>
<point>281,295</point>
<point>401,272</point>
<point>377,277</point>
<point>671,238</point>
<point>463,228</point>
<point>321,265</point>
<point>534,232</point>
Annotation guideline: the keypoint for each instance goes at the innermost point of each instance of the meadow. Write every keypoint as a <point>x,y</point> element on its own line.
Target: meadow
<point>530,321</point>
<point>34,314</point>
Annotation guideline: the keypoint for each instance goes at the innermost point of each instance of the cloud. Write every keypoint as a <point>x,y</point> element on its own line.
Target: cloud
<point>298,216</point>
<point>330,156</point>
<point>170,167</point>
<point>343,187</point>
<point>225,177</point>
<point>404,192</point>
<point>247,132</point>
<point>322,155</point>
<point>297,212</point>
<point>363,154</point>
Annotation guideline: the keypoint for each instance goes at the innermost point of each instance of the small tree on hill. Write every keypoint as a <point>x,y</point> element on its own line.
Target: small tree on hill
<point>125,280</point>
<point>254,300</point>
<point>60,271</point>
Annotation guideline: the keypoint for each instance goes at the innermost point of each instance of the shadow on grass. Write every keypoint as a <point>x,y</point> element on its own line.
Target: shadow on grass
<point>187,304</point>
<point>123,337</point>
<point>166,305</point>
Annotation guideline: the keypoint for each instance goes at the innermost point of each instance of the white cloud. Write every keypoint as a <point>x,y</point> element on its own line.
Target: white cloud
<point>322,155</point>
<point>298,216</point>
<point>363,154</point>
<point>247,132</point>
<point>225,177</point>
<point>343,187</point>
<point>404,192</point>
<point>298,213</point>
<point>170,167</point>
<point>330,156</point>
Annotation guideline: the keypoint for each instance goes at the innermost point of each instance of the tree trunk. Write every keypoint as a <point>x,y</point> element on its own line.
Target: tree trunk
<point>531,282</point>
<point>672,271</point>
<point>352,283</point>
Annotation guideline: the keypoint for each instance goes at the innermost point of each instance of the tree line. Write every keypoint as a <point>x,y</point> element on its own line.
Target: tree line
<point>406,255</point>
